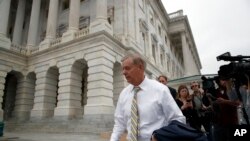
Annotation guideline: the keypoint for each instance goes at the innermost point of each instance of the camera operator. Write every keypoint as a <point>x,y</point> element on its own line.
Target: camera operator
<point>232,96</point>
<point>225,110</point>
<point>239,71</point>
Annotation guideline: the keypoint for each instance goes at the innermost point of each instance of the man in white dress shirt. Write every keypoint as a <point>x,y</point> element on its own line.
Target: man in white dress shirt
<point>156,106</point>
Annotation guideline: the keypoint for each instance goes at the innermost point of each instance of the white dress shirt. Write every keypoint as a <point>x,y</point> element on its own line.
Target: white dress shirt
<point>156,105</point>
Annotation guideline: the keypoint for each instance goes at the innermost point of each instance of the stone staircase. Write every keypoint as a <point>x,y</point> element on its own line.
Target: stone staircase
<point>100,125</point>
<point>92,124</point>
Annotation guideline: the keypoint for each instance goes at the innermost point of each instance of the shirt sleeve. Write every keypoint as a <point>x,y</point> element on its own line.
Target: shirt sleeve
<point>120,123</point>
<point>170,108</point>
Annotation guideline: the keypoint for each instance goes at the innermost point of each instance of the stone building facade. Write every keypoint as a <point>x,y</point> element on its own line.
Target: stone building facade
<point>62,58</point>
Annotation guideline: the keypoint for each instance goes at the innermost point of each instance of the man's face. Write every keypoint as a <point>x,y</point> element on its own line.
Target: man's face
<point>195,86</point>
<point>133,73</point>
<point>163,80</point>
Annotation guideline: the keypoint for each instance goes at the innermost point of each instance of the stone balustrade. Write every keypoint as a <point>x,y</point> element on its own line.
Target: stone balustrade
<point>34,50</point>
<point>19,49</point>
<point>56,42</point>
<point>81,33</point>
<point>25,51</point>
<point>176,14</point>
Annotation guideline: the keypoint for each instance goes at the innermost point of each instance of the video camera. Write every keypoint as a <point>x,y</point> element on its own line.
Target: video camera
<point>239,71</point>
<point>238,68</point>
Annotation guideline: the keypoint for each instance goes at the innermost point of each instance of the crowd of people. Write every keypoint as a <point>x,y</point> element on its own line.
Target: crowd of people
<point>213,111</point>
<point>151,110</point>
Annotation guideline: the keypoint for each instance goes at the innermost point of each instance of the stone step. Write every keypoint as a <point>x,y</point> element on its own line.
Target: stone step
<point>93,124</point>
<point>32,136</point>
<point>57,127</point>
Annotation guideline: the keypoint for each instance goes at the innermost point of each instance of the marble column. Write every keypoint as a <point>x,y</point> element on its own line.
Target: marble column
<point>74,14</point>
<point>150,43</point>
<point>120,27</point>
<point>146,44</point>
<point>18,28</point>
<point>51,24</point>
<point>185,52</point>
<point>131,14</point>
<point>34,24</point>
<point>158,54</point>
<point>4,18</point>
<point>100,23</point>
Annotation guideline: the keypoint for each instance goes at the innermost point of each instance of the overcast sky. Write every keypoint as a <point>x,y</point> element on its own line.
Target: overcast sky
<point>218,26</point>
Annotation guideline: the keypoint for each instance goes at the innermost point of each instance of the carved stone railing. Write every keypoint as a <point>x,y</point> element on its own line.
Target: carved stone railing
<point>33,50</point>
<point>56,42</point>
<point>19,49</point>
<point>28,51</point>
<point>81,33</point>
<point>176,14</point>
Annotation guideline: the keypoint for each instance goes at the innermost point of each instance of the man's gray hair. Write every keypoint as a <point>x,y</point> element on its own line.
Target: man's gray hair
<point>136,58</point>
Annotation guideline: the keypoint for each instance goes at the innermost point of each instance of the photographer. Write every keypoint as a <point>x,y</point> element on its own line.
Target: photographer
<point>238,71</point>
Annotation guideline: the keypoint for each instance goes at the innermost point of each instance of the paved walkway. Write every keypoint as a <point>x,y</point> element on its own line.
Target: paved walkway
<point>20,136</point>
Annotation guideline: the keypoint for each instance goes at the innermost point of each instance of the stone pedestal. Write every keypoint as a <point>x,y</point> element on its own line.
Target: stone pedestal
<point>100,25</point>
<point>100,85</point>
<point>45,93</point>
<point>45,44</point>
<point>70,90</point>
<point>68,36</point>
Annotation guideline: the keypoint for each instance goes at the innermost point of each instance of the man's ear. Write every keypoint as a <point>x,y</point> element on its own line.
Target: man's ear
<point>141,66</point>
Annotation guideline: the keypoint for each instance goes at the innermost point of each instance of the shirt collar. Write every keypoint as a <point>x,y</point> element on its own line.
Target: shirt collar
<point>143,84</point>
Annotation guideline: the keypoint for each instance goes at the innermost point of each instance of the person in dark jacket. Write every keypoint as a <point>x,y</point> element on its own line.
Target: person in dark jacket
<point>164,80</point>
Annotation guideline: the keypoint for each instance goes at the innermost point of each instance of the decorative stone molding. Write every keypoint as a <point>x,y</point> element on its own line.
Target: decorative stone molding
<point>154,37</point>
<point>143,25</point>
